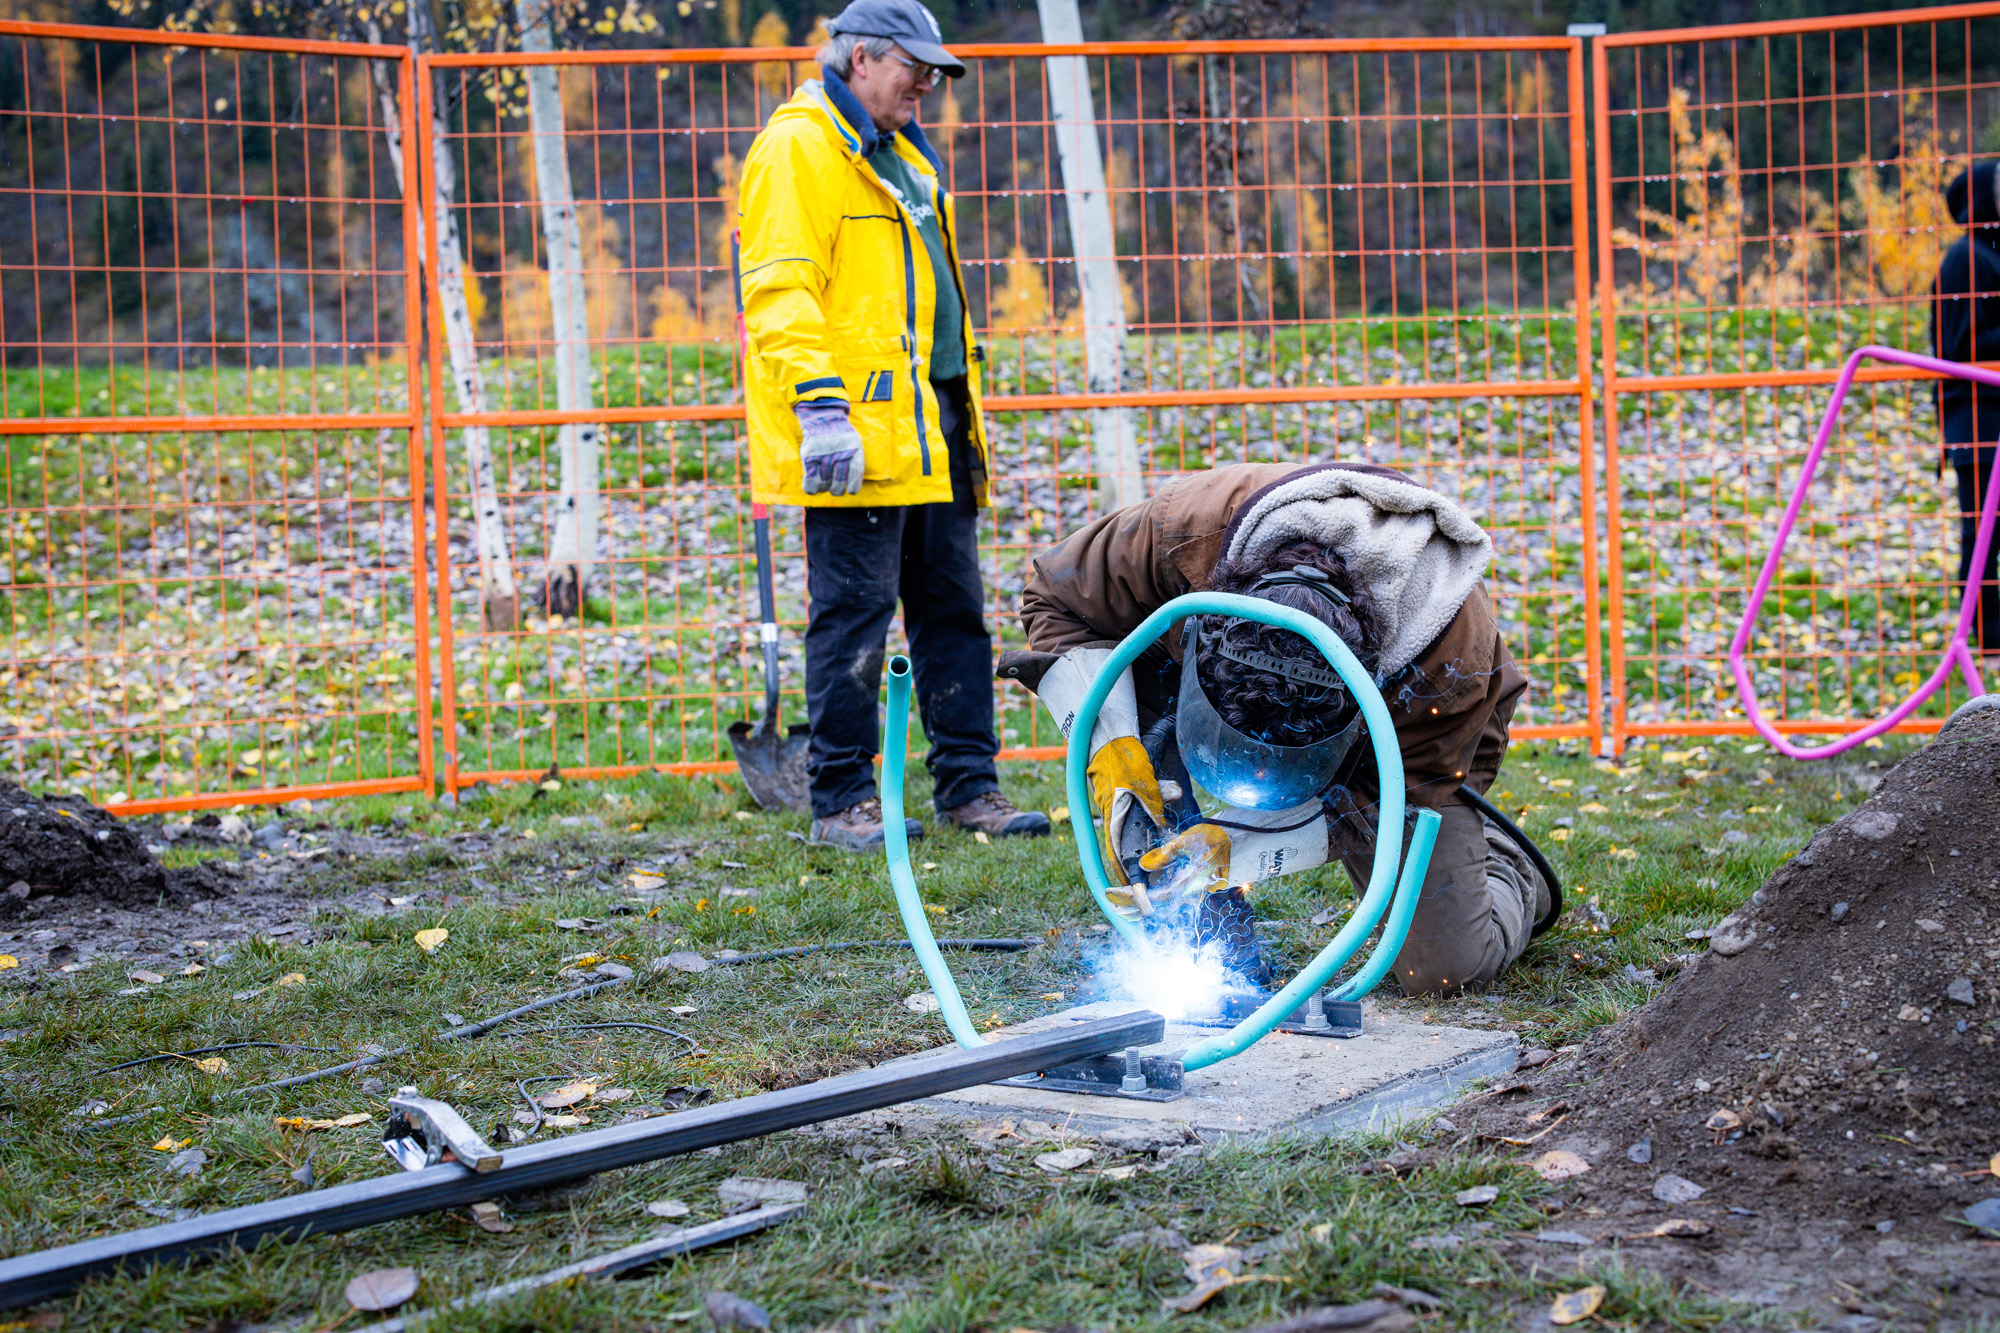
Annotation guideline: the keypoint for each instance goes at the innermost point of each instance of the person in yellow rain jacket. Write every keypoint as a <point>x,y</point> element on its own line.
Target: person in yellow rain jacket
<point>863,406</point>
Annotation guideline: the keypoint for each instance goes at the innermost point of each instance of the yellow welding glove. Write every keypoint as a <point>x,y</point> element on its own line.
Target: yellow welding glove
<point>1264,845</point>
<point>1125,788</point>
<point>1204,848</point>
<point>1122,781</point>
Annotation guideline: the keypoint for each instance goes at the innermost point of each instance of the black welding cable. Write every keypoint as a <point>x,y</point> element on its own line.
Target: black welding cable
<point>469,1030</point>
<point>692,1044</point>
<point>207,1050</point>
<point>485,1026</point>
<point>800,951</point>
<point>1526,844</point>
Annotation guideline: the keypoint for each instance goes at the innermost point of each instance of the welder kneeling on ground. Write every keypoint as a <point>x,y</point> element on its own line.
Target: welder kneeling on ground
<point>1261,723</point>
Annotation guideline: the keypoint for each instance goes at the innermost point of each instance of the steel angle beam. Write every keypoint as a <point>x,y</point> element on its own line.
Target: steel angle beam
<point>667,1245</point>
<point>29,1278</point>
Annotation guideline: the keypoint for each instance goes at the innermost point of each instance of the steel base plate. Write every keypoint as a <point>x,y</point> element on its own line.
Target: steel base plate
<point>1342,1018</point>
<point>1104,1076</point>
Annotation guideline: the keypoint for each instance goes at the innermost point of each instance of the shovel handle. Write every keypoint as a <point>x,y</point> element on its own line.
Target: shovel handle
<point>767,605</point>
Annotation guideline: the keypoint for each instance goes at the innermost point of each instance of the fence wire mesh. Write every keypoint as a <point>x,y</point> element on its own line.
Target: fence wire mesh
<point>216,563</point>
<point>1320,251</point>
<point>211,565</point>
<point>1772,197</point>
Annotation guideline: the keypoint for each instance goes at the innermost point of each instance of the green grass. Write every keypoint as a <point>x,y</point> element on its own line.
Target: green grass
<point>944,1243</point>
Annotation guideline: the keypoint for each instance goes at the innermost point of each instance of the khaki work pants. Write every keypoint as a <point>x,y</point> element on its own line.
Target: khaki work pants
<point>1481,894</point>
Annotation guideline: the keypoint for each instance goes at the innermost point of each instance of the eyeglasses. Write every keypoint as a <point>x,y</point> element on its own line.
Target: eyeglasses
<point>926,76</point>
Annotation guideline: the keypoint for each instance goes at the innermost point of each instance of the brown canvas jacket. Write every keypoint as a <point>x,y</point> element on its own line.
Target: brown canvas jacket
<point>1451,706</point>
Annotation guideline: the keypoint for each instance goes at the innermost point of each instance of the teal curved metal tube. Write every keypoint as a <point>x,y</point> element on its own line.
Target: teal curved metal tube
<point>1387,889</point>
<point>896,842</point>
<point>1382,880</point>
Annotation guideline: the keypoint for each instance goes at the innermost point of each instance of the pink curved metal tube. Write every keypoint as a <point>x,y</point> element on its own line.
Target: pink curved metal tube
<point>1956,653</point>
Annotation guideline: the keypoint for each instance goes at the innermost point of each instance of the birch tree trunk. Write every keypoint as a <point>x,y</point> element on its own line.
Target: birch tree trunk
<point>574,544</point>
<point>1121,480</point>
<point>499,600</point>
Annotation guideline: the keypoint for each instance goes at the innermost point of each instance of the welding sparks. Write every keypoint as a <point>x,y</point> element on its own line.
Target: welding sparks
<point>1169,976</point>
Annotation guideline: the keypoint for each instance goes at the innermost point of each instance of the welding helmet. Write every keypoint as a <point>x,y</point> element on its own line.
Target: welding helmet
<point>1245,771</point>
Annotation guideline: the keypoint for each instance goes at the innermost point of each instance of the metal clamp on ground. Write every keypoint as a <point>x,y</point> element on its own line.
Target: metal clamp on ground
<point>424,1132</point>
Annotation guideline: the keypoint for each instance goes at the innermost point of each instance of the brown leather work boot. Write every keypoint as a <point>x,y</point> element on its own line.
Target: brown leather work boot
<point>858,828</point>
<point>994,815</point>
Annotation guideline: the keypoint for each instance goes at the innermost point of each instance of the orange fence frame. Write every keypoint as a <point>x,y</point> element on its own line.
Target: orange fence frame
<point>1604,590</point>
<point>1580,388</point>
<point>409,421</point>
<point>1621,729</point>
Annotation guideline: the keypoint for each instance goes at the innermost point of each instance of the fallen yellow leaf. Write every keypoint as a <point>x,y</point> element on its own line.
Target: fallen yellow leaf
<point>1559,1165</point>
<point>171,1144</point>
<point>1059,815</point>
<point>292,979</point>
<point>429,940</point>
<point>193,970</point>
<point>213,1064</point>
<point>1574,1306</point>
<point>569,1094</point>
<point>302,1123</point>
<point>8,960</point>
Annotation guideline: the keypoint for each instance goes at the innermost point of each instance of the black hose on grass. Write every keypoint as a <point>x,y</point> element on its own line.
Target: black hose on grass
<point>1526,844</point>
<point>692,1044</point>
<point>485,1026</point>
<point>464,1033</point>
<point>207,1050</point>
<point>800,951</point>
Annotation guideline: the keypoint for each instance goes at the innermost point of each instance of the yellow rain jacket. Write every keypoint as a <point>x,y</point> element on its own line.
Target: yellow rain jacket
<point>838,300</point>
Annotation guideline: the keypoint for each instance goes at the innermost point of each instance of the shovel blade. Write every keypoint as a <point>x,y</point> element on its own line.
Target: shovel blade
<point>773,765</point>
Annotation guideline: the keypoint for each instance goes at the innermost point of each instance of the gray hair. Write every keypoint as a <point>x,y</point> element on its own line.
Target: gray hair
<point>837,56</point>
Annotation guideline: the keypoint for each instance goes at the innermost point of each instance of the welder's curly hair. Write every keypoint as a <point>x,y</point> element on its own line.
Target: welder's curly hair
<point>1270,707</point>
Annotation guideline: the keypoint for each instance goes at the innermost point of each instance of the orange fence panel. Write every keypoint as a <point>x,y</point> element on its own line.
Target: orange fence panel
<point>1770,197</point>
<point>1326,250</point>
<point>212,564</point>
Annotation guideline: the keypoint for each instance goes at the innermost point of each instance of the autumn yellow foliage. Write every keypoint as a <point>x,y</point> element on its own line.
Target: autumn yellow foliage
<point>1022,305</point>
<point>1895,211</point>
<point>771,75</point>
<point>1706,245</point>
<point>1908,226</point>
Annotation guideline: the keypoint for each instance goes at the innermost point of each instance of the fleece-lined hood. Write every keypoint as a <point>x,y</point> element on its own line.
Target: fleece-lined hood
<point>1419,554</point>
<point>1974,196</point>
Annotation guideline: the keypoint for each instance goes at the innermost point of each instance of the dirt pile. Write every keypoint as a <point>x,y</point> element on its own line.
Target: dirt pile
<point>1835,1049</point>
<point>65,847</point>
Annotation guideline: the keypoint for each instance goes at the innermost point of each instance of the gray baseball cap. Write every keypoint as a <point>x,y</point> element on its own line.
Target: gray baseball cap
<point>909,24</point>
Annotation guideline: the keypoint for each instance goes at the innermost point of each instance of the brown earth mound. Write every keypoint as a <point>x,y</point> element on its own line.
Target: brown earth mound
<point>1834,1053</point>
<point>65,847</point>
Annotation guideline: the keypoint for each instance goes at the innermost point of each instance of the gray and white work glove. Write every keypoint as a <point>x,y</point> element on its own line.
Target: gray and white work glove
<point>830,447</point>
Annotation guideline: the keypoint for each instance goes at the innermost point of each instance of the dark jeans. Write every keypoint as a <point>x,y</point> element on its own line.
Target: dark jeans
<point>1972,480</point>
<point>859,562</point>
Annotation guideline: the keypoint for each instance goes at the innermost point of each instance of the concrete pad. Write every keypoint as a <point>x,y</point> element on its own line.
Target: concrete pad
<point>1315,1085</point>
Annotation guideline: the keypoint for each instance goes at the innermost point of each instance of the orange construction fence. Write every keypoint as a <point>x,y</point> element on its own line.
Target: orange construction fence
<point>263,304</point>
<point>212,565</point>
<point>1770,197</point>
<point>1304,251</point>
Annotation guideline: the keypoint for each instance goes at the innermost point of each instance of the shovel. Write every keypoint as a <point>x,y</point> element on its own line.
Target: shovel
<point>770,756</point>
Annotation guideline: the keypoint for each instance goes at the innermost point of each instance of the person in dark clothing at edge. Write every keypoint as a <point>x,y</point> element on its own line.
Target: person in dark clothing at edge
<point>1253,715</point>
<point>862,394</point>
<point>1965,326</point>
